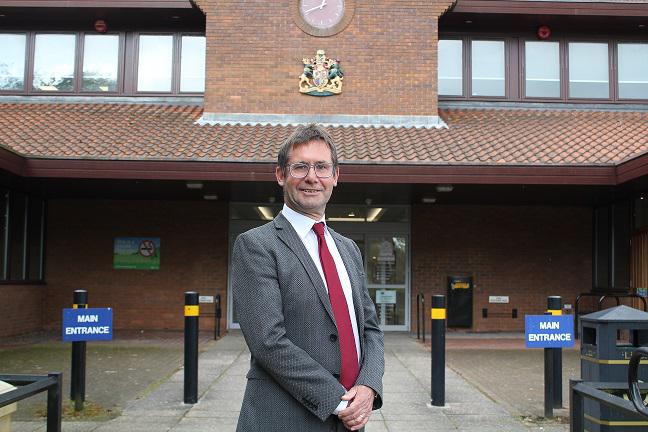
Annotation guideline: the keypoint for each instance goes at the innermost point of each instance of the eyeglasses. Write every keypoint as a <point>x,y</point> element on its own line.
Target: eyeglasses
<point>300,170</point>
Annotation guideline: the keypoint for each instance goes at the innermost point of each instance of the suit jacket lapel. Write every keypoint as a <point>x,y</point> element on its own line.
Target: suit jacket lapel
<point>288,235</point>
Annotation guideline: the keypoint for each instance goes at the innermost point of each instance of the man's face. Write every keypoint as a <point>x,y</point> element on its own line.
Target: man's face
<point>310,194</point>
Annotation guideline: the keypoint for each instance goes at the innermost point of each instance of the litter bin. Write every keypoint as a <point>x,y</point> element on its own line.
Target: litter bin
<point>6,411</point>
<point>605,358</point>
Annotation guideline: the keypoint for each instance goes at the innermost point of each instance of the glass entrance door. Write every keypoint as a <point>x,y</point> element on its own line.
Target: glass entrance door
<point>385,252</point>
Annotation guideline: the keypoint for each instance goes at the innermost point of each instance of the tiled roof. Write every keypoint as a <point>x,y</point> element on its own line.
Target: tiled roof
<point>474,136</point>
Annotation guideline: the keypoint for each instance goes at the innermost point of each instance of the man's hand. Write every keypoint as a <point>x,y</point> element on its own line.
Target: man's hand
<point>356,415</point>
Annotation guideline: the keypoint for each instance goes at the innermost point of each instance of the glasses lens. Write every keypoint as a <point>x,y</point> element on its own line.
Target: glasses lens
<point>299,170</point>
<point>324,170</point>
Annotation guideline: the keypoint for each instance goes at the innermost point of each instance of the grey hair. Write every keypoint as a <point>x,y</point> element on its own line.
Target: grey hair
<point>302,135</point>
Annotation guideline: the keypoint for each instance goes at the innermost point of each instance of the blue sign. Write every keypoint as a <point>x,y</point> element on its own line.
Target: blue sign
<point>87,324</point>
<point>549,331</point>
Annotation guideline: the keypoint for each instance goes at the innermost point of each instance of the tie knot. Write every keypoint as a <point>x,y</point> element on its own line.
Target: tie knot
<point>319,229</point>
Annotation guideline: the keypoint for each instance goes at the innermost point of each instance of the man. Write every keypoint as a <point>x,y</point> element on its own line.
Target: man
<point>303,306</point>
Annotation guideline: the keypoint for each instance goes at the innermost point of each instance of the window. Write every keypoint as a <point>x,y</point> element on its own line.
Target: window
<point>560,70</point>
<point>633,70</point>
<point>488,68</point>
<point>155,63</point>
<point>450,67</point>
<point>126,63</point>
<point>54,62</point>
<point>12,61</point>
<point>21,245</point>
<point>588,70</point>
<point>542,69</point>
<point>192,61</point>
<point>100,63</point>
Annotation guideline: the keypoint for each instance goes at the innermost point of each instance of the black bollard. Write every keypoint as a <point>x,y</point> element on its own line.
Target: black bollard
<point>78,373</point>
<point>437,337</point>
<point>553,365</point>
<point>554,306</point>
<point>191,312</point>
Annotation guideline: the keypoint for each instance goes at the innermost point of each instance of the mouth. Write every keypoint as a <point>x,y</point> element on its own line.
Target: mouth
<point>310,191</point>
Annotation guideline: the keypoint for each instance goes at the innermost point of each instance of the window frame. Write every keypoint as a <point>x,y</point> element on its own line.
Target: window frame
<point>6,277</point>
<point>516,73</point>
<point>25,64</point>
<point>128,58</point>
<point>469,49</point>
<point>616,68</point>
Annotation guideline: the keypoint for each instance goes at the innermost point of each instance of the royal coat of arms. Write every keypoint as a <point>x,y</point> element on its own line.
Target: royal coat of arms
<point>322,76</point>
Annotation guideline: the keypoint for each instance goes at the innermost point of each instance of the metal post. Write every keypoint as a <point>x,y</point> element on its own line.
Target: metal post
<point>191,312</point>
<point>218,314</point>
<point>554,307</point>
<point>418,316</point>
<point>576,408</point>
<point>78,373</point>
<point>548,383</point>
<point>437,336</point>
<point>423,316</point>
<point>54,403</point>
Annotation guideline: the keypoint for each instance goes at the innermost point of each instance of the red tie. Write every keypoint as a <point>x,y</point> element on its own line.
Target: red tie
<point>348,354</point>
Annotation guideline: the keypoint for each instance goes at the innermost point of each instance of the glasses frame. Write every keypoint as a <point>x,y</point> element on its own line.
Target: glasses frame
<point>311,166</point>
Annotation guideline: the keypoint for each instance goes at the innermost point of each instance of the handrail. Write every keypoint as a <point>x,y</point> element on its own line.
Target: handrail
<point>420,315</point>
<point>34,384</point>
<point>604,296</point>
<point>633,382</point>
<point>576,310</point>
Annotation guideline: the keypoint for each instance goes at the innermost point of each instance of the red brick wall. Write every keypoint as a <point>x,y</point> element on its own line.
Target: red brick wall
<point>193,257</point>
<point>388,55</point>
<point>525,252</point>
<point>23,314</point>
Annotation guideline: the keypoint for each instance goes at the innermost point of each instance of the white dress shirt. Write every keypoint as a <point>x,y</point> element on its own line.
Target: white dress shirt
<point>303,225</point>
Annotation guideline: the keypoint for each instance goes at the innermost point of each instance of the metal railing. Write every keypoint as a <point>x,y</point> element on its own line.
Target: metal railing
<point>420,316</point>
<point>30,385</point>
<point>579,390</point>
<point>602,297</point>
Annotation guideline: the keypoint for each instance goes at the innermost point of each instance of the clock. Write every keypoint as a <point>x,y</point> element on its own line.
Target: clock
<point>323,17</point>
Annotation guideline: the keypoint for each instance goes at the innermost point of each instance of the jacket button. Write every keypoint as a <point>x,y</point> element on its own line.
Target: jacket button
<point>333,337</point>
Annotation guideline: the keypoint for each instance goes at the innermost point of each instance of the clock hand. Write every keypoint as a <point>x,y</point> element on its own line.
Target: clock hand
<point>316,7</point>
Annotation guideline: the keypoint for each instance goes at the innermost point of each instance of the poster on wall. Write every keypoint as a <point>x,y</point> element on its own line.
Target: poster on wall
<point>137,253</point>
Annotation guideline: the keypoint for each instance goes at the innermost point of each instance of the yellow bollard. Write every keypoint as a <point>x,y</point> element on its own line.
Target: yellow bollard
<point>6,411</point>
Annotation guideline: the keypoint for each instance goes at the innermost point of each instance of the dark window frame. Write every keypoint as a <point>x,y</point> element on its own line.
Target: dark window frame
<point>516,74</point>
<point>25,236</point>
<point>127,64</point>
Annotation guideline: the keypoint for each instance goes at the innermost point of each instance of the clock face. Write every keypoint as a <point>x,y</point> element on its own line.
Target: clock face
<point>322,14</point>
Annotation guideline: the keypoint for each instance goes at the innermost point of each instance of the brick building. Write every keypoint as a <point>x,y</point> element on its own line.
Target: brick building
<point>494,151</point>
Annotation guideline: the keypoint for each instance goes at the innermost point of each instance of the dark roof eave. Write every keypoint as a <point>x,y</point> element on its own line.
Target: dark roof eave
<point>579,8</point>
<point>353,173</point>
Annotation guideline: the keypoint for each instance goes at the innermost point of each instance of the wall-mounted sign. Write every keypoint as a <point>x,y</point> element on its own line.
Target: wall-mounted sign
<point>498,299</point>
<point>642,292</point>
<point>139,253</point>
<point>87,324</point>
<point>206,299</point>
<point>322,76</point>
<point>386,297</point>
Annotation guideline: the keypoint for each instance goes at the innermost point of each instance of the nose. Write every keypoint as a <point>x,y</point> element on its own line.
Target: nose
<point>311,177</point>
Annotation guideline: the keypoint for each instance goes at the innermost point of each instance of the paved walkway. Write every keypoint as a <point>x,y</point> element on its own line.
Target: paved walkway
<point>222,371</point>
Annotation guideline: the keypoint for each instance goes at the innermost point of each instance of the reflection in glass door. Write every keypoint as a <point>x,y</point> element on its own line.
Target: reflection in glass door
<point>386,262</point>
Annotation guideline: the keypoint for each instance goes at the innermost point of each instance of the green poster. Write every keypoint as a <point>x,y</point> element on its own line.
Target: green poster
<point>139,253</point>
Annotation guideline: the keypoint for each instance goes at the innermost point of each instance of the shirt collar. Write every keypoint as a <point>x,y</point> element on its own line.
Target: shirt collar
<point>302,224</point>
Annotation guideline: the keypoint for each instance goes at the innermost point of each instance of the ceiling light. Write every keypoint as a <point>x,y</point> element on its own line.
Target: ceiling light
<point>374,214</point>
<point>428,200</point>
<point>346,219</point>
<point>265,213</point>
<point>444,188</point>
<point>212,197</point>
<point>194,185</point>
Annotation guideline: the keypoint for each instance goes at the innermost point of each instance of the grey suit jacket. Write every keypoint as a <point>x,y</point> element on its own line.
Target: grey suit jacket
<point>286,318</point>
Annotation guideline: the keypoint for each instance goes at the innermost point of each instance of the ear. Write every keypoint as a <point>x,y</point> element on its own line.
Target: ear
<point>336,175</point>
<point>279,174</point>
